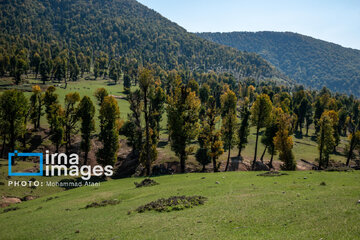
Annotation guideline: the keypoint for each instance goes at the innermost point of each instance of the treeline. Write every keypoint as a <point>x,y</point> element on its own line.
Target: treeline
<point>64,65</point>
<point>216,115</point>
<point>95,32</point>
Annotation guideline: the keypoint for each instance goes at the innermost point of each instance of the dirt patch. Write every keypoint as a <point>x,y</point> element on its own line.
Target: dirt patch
<point>8,200</point>
<point>339,169</point>
<point>174,203</point>
<point>28,198</point>
<point>304,165</point>
<point>147,182</point>
<point>272,174</point>
<point>102,204</point>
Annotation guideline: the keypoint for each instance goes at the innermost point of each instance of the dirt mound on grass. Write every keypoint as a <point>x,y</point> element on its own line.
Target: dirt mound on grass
<point>7,201</point>
<point>147,182</point>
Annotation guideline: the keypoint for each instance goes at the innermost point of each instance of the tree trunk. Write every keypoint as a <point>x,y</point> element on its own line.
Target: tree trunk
<point>39,116</point>
<point>204,168</point>
<point>228,159</point>
<point>321,148</point>
<point>351,149</point>
<point>271,159</point>
<point>147,133</point>
<point>12,137</point>
<point>262,156</point>
<point>307,130</point>
<point>214,164</point>
<point>182,163</point>
<point>239,154</point>
<point>256,146</point>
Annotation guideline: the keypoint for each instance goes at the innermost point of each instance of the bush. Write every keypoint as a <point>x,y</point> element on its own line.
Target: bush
<point>102,203</point>
<point>174,203</point>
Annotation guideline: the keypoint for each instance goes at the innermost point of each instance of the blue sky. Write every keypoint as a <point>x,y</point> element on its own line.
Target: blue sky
<point>336,21</point>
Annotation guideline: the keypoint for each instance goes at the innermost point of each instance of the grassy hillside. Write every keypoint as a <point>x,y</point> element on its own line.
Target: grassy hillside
<point>241,206</point>
<point>311,62</point>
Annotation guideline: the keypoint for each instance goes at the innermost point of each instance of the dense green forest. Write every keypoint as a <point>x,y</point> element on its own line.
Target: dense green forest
<point>311,62</point>
<point>123,30</point>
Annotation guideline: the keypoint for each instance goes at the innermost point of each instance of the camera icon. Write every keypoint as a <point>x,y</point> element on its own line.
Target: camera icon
<point>15,153</point>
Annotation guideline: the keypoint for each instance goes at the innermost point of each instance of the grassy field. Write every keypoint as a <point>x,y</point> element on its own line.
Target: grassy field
<point>241,206</point>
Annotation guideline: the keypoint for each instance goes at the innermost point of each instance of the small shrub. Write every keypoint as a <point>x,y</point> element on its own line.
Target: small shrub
<point>147,182</point>
<point>102,203</point>
<point>10,209</point>
<point>323,184</point>
<point>174,203</point>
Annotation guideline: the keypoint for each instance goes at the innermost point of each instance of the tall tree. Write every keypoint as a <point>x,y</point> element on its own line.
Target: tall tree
<point>127,83</point>
<point>35,63</point>
<point>146,80</point>
<point>229,123</point>
<point>157,108</point>
<point>100,95</point>
<point>353,127</point>
<point>183,115</point>
<point>74,68</point>
<point>109,135</point>
<point>260,115</point>
<point>50,98</point>
<point>44,71</point>
<point>86,112</point>
<point>211,135</point>
<point>270,132</point>
<point>37,102</point>
<point>71,118</point>
<point>283,142</point>
<point>114,71</point>
<point>244,128</point>
<point>56,119</point>
<point>132,129</point>
<point>13,107</point>
<point>326,140</point>
<point>20,69</point>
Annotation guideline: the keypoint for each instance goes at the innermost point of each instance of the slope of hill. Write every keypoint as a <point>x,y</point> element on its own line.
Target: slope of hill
<point>311,62</point>
<point>123,28</point>
<point>241,206</point>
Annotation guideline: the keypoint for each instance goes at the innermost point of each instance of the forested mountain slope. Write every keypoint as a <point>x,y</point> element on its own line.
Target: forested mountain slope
<point>312,62</point>
<point>120,28</point>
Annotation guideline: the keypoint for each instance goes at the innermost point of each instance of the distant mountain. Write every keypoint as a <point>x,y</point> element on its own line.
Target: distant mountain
<point>311,62</point>
<point>120,28</point>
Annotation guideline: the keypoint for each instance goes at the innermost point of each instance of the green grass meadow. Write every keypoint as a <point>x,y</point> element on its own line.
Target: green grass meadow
<point>242,206</point>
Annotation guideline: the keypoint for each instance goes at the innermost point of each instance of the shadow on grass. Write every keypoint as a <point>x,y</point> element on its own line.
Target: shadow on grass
<point>298,135</point>
<point>162,144</point>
